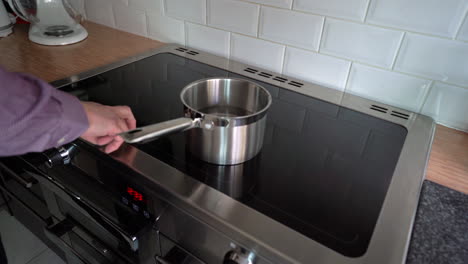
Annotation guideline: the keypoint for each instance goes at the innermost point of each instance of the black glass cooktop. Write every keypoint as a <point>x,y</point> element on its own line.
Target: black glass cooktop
<point>324,170</point>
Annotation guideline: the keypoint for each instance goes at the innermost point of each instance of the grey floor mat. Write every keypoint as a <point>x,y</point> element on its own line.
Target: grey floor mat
<point>440,233</point>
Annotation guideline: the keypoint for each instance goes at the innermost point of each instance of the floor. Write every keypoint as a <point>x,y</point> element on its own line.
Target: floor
<point>21,246</point>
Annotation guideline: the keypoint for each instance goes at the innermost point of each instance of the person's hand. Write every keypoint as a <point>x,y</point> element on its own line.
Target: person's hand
<point>105,122</point>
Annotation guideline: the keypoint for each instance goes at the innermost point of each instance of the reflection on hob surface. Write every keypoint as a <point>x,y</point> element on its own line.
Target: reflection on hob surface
<point>323,171</point>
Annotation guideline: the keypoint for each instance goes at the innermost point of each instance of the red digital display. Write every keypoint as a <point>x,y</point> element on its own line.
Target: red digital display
<point>135,195</point>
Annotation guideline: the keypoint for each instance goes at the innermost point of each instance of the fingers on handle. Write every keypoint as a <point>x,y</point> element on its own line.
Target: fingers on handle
<point>122,125</point>
<point>114,145</point>
<point>125,113</point>
<point>104,140</point>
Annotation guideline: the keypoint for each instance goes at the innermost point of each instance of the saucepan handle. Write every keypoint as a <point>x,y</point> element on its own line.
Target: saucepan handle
<point>154,131</point>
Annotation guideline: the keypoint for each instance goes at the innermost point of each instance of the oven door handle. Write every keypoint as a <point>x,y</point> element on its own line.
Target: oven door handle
<point>86,209</point>
<point>177,255</point>
<point>54,232</point>
<point>25,182</point>
<point>57,231</point>
<point>161,260</point>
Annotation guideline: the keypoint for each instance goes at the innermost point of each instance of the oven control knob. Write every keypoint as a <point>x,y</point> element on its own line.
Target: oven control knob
<point>60,156</point>
<point>237,257</point>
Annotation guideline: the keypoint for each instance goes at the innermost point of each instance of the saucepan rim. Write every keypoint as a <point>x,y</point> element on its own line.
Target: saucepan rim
<point>255,114</point>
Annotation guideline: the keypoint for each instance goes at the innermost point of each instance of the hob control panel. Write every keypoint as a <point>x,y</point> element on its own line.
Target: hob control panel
<point>136,201</point>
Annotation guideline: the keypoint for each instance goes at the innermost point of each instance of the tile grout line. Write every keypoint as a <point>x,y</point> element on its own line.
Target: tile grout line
<point>347,77</point>
<point>262,4</point>
<point>259,13</point>
<point>412,32</point>
<point>397,52</point>
<point>321,35</point>
<point>367,11</point>
<point>460,25</point>
<point>283,59</point>
<point>114,23</point>
<point>206,11</point>
<point>231,39</point>
<point>229,45</point>
<point>147,24</point>
<point>84,10</point>
<point>163,7</point>
<point>426,96</point>
<point>185,33</point>
<point>452,84</point>
<point>253,37</point>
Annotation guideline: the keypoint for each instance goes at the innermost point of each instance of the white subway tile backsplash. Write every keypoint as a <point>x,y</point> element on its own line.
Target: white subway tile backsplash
<point>433,17</point>
<point>388,87</point>
<point>351,9</point>
<point>165,29</point>
<point>257,52</point>
<point>190,10</point>
<point>130,20</point>
<point>448,105</point>
<point>149,5</point>
<point>100,11</point>
<point>381,33</point>
<point>208,39</point>
<point>435,58</point>
<point>277,3</point>
<point>316,68</point>
<point>463,34</point>
<point>360,42</point>
<point>235,16</point>
<point>291,27</point>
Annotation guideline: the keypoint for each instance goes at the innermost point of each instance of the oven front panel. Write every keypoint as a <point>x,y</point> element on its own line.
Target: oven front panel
<point>73,196</point>
<point>73,213</point>
<point>200,240</point>
<point>25,199</point>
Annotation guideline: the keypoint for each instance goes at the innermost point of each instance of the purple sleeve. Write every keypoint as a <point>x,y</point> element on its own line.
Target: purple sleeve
<point>34,116</point>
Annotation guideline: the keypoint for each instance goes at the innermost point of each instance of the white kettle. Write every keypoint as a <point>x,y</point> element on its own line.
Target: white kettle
<point>6,25</point>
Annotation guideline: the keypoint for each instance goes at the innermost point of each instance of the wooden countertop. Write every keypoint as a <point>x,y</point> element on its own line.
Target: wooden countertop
<point>448,164</point>
<point>103,46</point>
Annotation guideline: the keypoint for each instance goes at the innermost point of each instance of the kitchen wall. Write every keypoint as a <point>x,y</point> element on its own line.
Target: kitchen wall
<point>411,54</point>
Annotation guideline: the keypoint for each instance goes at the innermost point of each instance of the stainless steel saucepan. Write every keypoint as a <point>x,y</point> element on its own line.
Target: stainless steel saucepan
<point>226,118</point>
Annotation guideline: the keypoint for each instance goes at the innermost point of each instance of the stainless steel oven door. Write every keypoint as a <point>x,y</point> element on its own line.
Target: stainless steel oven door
<point>79,245</point>
<point>171,253</point>
<point>25,199</point>
<point>83,230</point>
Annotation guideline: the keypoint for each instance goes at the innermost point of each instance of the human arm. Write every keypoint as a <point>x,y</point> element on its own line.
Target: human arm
<point>35,116</point>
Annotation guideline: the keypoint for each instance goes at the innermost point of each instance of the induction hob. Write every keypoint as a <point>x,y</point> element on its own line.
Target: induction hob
<point>324,170</point>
